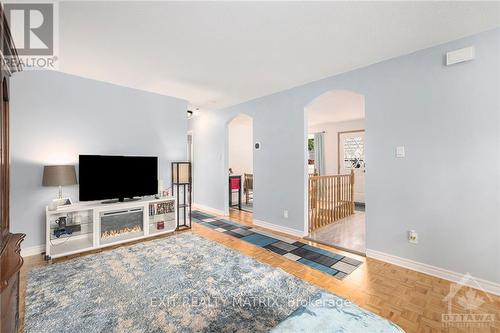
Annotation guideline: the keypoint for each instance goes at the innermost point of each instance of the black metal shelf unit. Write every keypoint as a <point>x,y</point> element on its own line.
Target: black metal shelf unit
<point>181,186</point>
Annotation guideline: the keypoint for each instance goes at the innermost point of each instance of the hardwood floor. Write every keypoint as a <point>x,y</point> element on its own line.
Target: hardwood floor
<point>348,233</point>
<point>413,300</point>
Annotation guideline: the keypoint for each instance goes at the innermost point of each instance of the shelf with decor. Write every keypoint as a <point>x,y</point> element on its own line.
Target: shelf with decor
<point>69,231</point>
<point>162,217</point>
<point>78,233</point>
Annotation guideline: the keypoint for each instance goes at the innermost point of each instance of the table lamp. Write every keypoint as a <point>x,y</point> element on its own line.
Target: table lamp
<point>59,175</point>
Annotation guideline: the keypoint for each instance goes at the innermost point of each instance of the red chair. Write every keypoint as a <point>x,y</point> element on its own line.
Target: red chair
<point>234,185</point>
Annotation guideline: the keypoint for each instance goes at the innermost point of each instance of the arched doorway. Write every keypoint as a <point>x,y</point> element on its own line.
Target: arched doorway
<point>336,170</point>
<point>240,193</point>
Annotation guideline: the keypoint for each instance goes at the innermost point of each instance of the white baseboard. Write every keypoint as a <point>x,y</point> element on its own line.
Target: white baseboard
<point>474,282</point>
<point>275,227</point>
<point>209,209</point>
<point>32,250</point>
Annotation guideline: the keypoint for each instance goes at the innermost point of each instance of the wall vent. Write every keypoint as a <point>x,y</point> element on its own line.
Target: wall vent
<point>461,55</point>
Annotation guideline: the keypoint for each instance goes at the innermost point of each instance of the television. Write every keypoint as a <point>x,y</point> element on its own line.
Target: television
<point>105,177</point>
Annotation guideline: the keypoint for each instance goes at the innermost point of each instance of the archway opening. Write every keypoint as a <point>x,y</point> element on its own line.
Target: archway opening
<point>336,169</point>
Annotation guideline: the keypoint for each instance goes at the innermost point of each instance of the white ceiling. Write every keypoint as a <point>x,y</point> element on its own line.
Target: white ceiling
<point>335,106</point>
<point>216,54</point>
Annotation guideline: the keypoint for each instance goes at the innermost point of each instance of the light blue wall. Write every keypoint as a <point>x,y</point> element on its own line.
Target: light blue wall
<point>447,188</point>
<point>56,117</point>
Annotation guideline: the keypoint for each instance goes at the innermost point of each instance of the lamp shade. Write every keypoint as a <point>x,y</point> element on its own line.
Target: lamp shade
<point>59,175</point>
<point>181,173</point>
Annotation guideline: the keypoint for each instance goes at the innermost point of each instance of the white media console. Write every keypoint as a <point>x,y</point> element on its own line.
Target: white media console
<point>88,226</point>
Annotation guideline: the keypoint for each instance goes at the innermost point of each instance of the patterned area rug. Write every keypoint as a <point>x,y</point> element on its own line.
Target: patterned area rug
<point>327,313</point>
<point>326,261</point>
<point>182,283</point>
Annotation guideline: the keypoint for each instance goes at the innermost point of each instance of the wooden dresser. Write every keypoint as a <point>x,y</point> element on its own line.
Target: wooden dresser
<point>10,244</point>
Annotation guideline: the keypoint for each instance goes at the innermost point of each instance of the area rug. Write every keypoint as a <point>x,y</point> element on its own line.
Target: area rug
<point>182,283</point>
<point>329,313</point>
<point>335,264</point>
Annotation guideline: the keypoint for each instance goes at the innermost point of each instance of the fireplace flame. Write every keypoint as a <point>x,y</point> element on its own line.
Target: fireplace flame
<point>114,233</point>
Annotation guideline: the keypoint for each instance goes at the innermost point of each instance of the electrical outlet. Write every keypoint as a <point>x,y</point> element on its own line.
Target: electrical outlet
<point>285,213</point>
<point>413,237</point>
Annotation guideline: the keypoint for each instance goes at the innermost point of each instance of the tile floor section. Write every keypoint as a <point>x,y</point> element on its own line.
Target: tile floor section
<point>328,262</point>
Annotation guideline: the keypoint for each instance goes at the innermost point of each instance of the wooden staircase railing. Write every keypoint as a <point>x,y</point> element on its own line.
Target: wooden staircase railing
<point>331,198</point>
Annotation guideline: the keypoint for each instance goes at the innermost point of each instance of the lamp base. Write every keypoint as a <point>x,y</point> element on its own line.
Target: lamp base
<point>59,202</point>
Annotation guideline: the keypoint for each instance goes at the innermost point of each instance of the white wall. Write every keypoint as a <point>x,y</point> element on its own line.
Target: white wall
<point>331,140</point>
<point>240,145</point>
<point>447,187</point>
<point>56,117</point>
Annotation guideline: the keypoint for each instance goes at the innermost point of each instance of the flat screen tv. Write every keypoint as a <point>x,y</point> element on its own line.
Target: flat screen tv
<point>117,177</point>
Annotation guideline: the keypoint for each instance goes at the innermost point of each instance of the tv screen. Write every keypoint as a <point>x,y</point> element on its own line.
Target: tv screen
<point>117,177</point>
